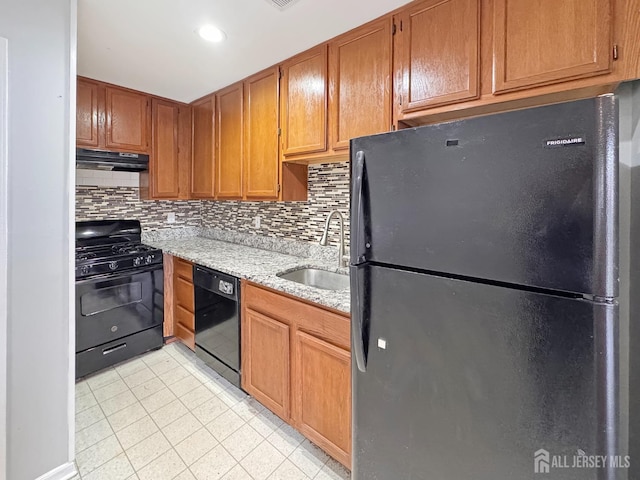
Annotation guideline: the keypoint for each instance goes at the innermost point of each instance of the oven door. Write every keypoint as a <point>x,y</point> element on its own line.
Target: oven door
<point>112,306</point>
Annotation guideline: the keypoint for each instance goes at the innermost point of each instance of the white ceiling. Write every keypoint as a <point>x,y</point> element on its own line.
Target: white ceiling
<point>152,45</point>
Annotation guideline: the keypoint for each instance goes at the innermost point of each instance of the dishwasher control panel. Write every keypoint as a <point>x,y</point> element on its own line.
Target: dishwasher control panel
<point>216,282</point>
<point>225,287</point>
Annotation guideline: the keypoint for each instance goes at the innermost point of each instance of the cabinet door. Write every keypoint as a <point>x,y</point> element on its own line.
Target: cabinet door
<point>229,142</point>
<point>261,162</point>
<point>87,114</point>
<point>548,41</point>
<point>321,389</point>
<point>360,83</point>
<point>304,96</point>
<point>164,159</point>
<point>437,50</point>
<point>265,366</point>
<point>127,117</point>
<point>202,172</point>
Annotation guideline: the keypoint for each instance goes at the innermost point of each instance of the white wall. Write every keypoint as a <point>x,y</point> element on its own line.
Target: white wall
<point>4,75</point>
<point>41,52</point>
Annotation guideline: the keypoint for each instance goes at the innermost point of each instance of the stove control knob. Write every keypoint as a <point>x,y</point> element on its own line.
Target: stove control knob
<point>137,261</point>
<point>113,265</point>
<point>149,259</point>
<point>84,270</point>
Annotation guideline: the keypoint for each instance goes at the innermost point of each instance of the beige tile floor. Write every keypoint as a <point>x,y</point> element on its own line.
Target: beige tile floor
<point>166,416</point>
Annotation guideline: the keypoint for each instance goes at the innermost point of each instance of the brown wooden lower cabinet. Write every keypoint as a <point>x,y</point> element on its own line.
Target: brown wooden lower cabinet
<point>183,302</point>
<point>321,387</point>
<point>266,359</point>
<point>296,360</point>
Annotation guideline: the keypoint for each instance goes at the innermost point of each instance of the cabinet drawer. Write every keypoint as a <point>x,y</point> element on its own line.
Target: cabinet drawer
<point>183,269</point>
<point>186,335</point>
<point>184,294</point>
<point>184,317</point>
<point>329,326</point>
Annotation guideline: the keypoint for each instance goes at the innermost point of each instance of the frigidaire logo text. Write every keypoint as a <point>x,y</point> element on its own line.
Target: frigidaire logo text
<point>561,142</point>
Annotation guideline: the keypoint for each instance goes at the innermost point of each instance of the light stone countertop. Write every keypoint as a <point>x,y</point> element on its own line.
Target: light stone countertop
<point>255,264</point>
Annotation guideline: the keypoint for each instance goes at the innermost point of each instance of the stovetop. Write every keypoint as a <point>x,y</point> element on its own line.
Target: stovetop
<point>111,246</point>
<point>106,251</point>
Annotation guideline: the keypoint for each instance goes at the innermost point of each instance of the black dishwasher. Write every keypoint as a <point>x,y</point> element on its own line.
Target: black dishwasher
<point>217,298</point>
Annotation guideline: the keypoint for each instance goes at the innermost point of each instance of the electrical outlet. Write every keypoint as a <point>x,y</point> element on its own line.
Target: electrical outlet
<point>171,217</point>
<point>256,221</point>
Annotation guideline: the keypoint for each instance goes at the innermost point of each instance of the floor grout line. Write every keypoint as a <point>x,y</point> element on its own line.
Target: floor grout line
<point>112,429</point>
<point>219,442</point>
<point>159,430</point>
<point>185,361</point>
<point>115,434</point>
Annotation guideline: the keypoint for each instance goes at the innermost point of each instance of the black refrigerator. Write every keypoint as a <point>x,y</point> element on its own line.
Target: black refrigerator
<point>491,294</point>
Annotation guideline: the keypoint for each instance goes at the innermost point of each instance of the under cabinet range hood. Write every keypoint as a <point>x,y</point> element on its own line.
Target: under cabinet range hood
<point>115,161</point>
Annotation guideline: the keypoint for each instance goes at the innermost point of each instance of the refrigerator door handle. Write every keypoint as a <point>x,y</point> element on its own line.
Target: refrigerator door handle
<point>358,229</point>
<point>358,314</point>
<point>605,193</point>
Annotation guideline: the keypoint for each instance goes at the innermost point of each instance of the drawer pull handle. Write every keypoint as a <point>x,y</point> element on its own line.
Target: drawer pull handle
<point>107,351</point>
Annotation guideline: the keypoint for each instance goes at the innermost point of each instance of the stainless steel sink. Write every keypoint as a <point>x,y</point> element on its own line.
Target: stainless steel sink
<point>315,277</point>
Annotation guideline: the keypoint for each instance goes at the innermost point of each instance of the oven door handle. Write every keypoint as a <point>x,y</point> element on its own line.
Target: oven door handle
<point>124,273</point>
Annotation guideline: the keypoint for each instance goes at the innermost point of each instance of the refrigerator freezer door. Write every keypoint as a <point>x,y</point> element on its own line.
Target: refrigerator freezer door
<point>526,197</point>
<point>466,381</point>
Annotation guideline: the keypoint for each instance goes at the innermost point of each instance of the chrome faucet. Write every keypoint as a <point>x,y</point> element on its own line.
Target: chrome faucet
<point>342,259</point>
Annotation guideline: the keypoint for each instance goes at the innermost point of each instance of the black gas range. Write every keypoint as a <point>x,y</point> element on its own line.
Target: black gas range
<point>119,294</point>
<point>108,246</point>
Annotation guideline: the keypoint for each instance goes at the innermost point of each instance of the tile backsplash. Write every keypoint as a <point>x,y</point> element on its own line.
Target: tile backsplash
<point>328,190</point>
<point>98,203</point>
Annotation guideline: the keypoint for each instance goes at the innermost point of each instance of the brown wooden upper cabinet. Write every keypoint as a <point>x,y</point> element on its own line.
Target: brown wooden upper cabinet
<point>360,83</point>
<point>202,161</point>
<point>112,118</point>
<point>547,41</point>
<point>247,160</point>
<point>261,112</point>
<point>229,138</point>
<point>169,166</point>
<point>127,120</point>
<point>88,114</point>
<point>304,102</point>
<point>164,165</point>
<point>437,53</point>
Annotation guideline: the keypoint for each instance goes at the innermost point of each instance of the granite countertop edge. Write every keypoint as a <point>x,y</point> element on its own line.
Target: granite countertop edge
<point>256,265</point>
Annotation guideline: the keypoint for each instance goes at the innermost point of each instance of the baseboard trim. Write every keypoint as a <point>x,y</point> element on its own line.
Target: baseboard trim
<point>63,472</point>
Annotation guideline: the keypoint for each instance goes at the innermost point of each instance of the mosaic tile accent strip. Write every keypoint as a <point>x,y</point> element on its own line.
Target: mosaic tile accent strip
<point>98,203</point>
<point>301,221</point>
<point>328,190</point>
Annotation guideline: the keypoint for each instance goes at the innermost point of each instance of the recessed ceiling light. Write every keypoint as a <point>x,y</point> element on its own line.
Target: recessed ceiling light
<point>211,33</point>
